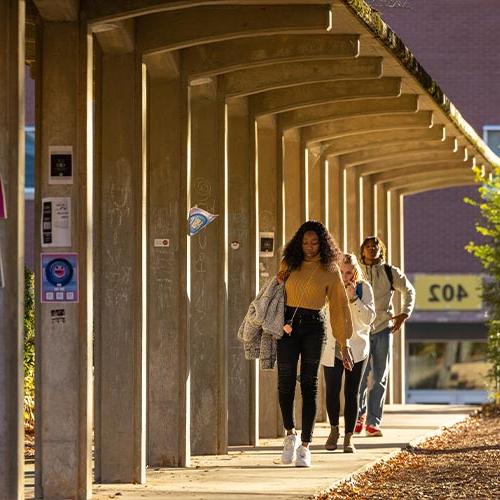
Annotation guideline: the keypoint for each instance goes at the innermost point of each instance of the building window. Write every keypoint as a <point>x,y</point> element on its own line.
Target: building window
<point>449,365</point>
<point>29,163</point>
<point>491,135</point>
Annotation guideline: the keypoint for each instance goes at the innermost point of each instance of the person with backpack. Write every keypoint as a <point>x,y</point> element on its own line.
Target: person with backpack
<point>384,279</point>
<point>360,296</point>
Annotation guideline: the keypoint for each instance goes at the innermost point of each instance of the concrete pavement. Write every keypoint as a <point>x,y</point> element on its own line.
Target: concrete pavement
<point>248,473</point>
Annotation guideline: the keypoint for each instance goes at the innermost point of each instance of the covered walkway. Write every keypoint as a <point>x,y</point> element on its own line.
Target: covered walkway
<point>265,113</point>
<point>248,473</point>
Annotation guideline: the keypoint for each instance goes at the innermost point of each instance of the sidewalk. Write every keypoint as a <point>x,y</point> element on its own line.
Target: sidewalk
<point>248,473</point>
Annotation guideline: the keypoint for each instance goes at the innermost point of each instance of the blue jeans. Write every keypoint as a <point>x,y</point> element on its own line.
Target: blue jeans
<point>379,364</point>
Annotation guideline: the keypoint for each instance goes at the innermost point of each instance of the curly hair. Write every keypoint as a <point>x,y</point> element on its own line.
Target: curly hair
<point>379,242</point>
<point>330,253</point>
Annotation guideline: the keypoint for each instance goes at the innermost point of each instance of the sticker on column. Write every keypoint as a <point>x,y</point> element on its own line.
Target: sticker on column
<point>60,164</point>
<point>198,219</point>
<point>59,277</point>
<point>3,204</point>
<point>266,244</point>
<point>56,222</point>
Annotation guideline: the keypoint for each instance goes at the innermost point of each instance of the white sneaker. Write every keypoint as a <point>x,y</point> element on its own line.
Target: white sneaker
<point>303,457</point>
<point>289,448</point>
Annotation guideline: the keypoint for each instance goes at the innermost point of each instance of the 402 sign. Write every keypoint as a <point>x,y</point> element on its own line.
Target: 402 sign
<point>459,292</point>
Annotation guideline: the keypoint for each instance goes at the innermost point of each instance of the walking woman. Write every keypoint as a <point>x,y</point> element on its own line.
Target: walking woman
<point>312,279</point>
<point>362,306</point>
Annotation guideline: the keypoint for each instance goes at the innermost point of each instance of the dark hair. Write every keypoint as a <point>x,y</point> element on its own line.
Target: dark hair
<point>330,253</point>
<point>379,242</point>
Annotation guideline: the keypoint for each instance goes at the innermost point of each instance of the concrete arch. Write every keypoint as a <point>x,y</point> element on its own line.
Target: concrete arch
<point>105,11</point>
<point>432,186</point>
<point>406,103</point>
<point>240,53</point>
<point>215,23</point>
<point>279,75</point>
<point>277,101</point>
<point>359,125</point>
<point>422,182</point>
<point>422,173</point>
<point>449,145</point>
<point>435,160</point>
<point>369,140</point>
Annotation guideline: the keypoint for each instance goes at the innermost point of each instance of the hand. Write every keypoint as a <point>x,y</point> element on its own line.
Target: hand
<point>347,358</point>
<point>398,321</point>
<point>350,290</point>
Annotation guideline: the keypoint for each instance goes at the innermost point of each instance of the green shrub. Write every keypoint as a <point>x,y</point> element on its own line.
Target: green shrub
<point>488,252</point>
<point>29,350</point>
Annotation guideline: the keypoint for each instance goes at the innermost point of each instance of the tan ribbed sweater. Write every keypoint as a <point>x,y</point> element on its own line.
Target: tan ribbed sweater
<point>324,286</point>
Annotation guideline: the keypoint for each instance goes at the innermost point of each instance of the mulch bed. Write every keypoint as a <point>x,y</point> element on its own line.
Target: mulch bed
<point>462,462</point>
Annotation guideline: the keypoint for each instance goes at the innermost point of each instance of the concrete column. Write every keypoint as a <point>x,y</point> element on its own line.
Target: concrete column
<point>120,429</point>
<point>242,276</point>
<point>304,179</point>
<point>396,242</point>
<point>335,200</point>
<point>12,241</point>
<point>315,202</point>
<point>167,349</point>
<point>324,179</point>
<point>368,208</point>
<point>269,214</point>
<point>208,311</point>
<point>64,339</point>
<point>381,212</point>
<point>291,180</point>
<point>352,209</point>
<point>314,194</point>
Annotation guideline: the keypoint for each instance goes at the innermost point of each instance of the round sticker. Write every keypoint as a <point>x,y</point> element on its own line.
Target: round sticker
<point>59,272</point>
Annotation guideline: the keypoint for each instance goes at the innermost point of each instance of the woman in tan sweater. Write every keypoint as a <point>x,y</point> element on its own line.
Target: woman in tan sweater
<point>312,280</point>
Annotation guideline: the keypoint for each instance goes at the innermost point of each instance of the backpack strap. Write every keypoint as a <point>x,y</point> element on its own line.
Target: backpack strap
<point>388,271</point>
<point>359,289</point>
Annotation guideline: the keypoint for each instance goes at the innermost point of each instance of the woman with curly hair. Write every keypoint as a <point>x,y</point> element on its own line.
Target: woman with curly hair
<point>310,269</point>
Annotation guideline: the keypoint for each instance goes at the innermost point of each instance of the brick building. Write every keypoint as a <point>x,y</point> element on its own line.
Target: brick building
<point>449,340</point>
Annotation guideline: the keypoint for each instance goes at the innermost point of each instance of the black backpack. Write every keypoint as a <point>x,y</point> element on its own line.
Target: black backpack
<point>388,271</point>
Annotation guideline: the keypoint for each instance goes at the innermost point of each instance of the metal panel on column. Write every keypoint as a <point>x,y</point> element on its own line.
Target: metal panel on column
<point>208,342</point>
<point>242,273</point>
<point>12,240</point>
<point>120,339</point>
<point>64,341</point>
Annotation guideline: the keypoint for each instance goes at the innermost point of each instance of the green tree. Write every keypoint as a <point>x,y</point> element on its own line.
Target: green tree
<point>488,252</point>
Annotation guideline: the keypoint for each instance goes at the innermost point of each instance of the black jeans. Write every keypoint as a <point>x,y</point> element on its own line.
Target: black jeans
<point>306,341</point>
<point>333,378</point>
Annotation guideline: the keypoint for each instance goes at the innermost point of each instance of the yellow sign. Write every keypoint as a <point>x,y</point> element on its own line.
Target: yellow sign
<point>445,292</point>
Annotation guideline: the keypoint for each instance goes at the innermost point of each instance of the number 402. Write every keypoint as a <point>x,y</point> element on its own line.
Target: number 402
<point>447,293</point>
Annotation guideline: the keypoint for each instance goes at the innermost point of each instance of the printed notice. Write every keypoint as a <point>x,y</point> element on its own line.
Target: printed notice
<point>56,222</point>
